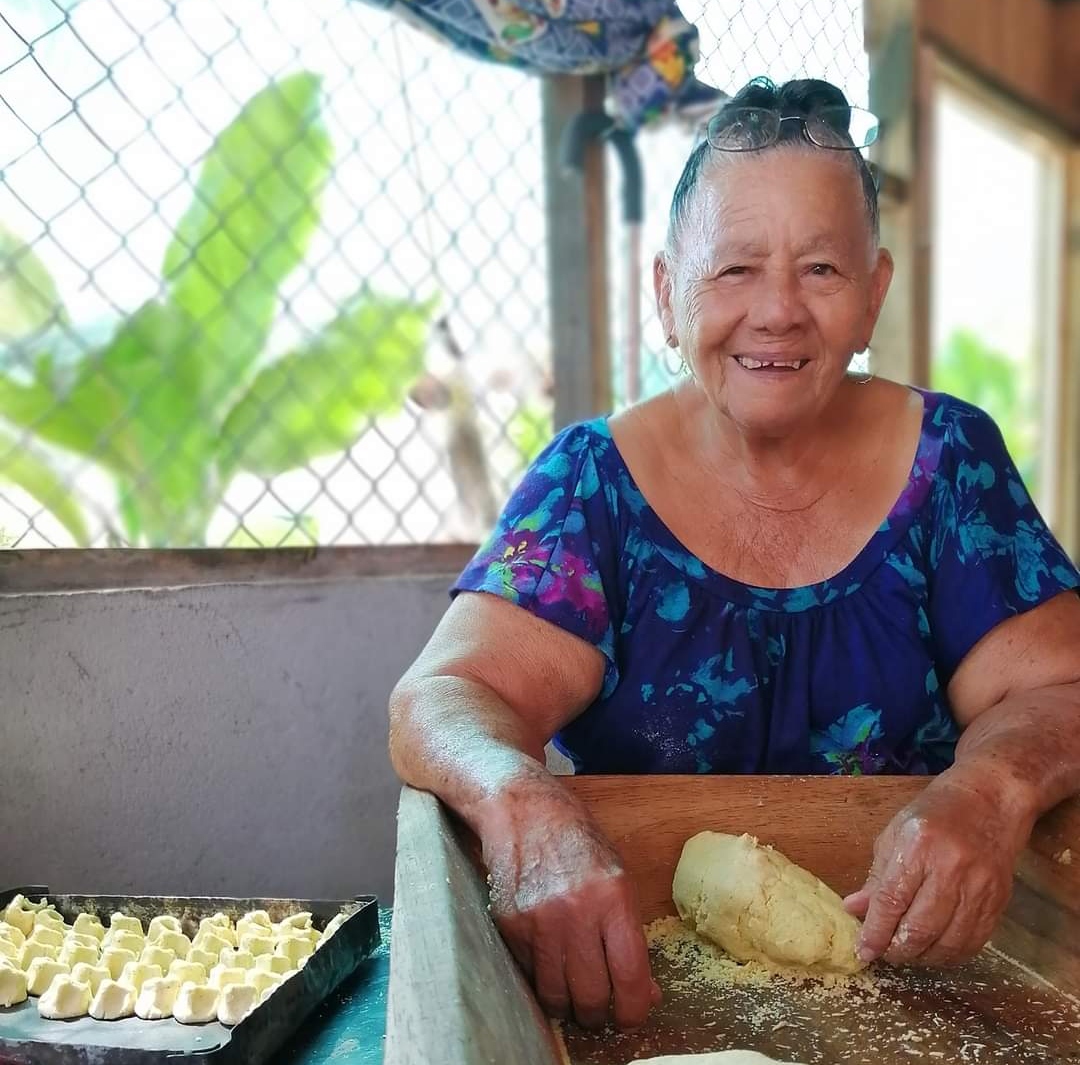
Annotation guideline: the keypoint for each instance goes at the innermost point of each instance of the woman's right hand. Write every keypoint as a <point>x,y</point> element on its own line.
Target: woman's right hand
<point>565,905</point>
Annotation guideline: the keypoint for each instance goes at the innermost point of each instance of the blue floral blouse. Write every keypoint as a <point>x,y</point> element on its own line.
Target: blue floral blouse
<point>705,674</point>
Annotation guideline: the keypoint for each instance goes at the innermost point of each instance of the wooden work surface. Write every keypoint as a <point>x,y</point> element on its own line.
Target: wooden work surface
<point>456,997</point>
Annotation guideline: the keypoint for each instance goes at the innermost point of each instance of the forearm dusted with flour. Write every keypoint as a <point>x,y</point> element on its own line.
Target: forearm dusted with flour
<point>1025,750</point>
<point>469,722</point>
<point>457,739</point>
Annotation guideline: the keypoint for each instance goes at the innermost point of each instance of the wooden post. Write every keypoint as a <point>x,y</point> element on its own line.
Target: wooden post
<point>900,350</point>
<point>576,212</point>
<point>1069,412</point>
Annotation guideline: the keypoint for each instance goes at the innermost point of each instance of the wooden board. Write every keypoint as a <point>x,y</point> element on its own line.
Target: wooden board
<point>994,1010</point>
<point>456,997</point>
<point>826,824</point>
<point>1014,44</point>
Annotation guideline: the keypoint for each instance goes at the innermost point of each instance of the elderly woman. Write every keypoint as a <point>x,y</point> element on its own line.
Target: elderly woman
<point>776,567</point>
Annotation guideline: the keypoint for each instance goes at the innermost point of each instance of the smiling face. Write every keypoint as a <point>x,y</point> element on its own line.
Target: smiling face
<point>774,281</point>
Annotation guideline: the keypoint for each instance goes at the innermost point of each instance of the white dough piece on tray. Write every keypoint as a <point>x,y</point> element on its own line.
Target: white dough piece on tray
<point>13,988</point>
<point>196,1003</point>
<point>64,999</point>
<point>156,998</point>
<point>113,1001</point>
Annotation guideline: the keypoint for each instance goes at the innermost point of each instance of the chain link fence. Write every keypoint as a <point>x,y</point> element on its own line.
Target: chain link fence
<point>275,273</point>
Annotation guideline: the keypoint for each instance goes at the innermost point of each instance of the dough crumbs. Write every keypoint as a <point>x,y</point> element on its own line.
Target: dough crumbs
<point>992,1011</point>
<point>706,965</point>
<point>1065,857</point>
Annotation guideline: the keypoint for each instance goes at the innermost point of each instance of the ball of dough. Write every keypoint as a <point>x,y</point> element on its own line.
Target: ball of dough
<point>124,940</point>
<point>263,981</point>
<point>121,922</point>
<point>73,953</point>
<point>113,1001</point>
<point>204,957</point>
<point>187,972</point>
<point>222,920</point>
<point>237,959</point>
<point>94,975</point>
<point>759,906</point>
<point>223,975</point>
<point>156,997</point>
<point>159,925</point>
<point>159,956</point>
<point>41,973</point>
<point>11,933</point>
<point>177,942</point>
<point>115,958</point>
<point>332,926</point>
<point>225,932</point>
<point>49,919</point>
<point>211,942</point>
<point>255,923</point>
<point>295,920</point>
<point>88,925</point>
<point>64,998</point>
<point>13,986</point>
<point>720,1057</point>
<point>31,952</point>
<point>257,944</point>
<point>273,963</point>
<point>51,937</point>
<point>17,917</point>
<point>81,939</point>
<point>235,1002</point>
<point>296,949</point>
<point>136,973</point>
<point>195,1003</point>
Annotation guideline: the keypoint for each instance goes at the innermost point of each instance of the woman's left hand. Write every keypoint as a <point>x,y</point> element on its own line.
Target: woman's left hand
<point>941,876</point>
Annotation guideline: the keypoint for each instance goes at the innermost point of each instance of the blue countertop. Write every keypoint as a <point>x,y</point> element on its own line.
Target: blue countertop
<point>350,1026</point>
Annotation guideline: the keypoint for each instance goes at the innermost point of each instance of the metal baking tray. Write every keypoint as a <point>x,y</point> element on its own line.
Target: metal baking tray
<point>27,1039</point>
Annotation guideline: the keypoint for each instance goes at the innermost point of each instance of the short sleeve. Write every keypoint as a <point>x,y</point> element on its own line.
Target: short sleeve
<point>552,551</point>
<point>991,555</point>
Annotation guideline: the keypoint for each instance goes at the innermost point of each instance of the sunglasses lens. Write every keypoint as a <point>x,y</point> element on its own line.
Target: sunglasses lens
<point>843,127</point>
<point>743,130</point>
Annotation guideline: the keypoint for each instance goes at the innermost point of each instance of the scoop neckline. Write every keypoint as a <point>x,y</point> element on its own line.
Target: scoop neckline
<point>846,580</point>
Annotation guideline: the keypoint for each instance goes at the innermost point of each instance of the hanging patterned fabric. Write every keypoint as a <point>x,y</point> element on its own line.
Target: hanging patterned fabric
<point>646,46</point>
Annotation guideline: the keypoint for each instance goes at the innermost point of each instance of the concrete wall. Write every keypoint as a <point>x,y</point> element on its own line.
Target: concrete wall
<point>212,740</point>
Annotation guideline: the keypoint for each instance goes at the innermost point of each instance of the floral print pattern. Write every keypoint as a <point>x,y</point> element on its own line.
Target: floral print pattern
<point>704,674</point>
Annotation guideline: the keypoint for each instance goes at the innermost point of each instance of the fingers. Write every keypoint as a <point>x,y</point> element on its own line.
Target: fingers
<point>858,903</point>
<point>587,978</point>
<point>890,892</point>
<point>583,965</point>
<point>627,957</point>
<point>973,922</point>
<point>931,912</point>
<point>549,975</point>
<point>931,897</point>
<point>952,945</point>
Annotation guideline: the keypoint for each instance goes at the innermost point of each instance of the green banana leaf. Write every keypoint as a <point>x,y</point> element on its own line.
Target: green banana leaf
<point>30,470</point>
<point>28,297</point>
<point>255,207</point>
<point>315,400</point>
